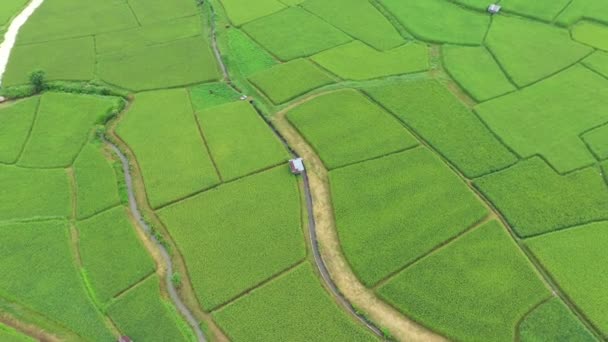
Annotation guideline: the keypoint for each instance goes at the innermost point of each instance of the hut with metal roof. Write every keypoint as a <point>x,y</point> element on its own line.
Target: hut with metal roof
<point>296,166</point>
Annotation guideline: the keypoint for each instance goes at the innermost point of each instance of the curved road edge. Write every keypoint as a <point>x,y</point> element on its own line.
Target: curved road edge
<point>322,268</point>
<point>400,327</point>
<point>179,304</point>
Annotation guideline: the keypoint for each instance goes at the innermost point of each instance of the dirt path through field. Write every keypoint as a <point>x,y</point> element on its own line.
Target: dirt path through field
<point>327,244</point>
<point>181,307</point>
<point>11,34</point>
<point>308,194</point>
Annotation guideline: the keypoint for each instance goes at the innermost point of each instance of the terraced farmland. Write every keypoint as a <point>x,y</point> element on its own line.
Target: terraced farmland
<point>455,183</point>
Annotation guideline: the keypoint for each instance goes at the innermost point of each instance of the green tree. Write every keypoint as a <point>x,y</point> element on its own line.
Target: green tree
<point>37,79</point>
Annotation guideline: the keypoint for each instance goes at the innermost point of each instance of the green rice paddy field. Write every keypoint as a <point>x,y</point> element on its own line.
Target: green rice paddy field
<point>464,157</point>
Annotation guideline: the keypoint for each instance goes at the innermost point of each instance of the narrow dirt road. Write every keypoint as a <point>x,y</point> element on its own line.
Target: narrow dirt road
<point>320,264</point>
<point>399,326</point>
<point>183,309</point>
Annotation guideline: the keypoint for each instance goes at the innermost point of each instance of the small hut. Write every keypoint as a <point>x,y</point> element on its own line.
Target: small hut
<point>124,339</point>
<point>494,8</point>
<point>296,166</point>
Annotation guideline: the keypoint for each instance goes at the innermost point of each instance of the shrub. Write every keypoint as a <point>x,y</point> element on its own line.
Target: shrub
<point>176,279</point>
<point>37,79</point>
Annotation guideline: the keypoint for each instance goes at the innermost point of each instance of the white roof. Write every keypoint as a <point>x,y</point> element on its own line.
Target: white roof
<point>298,164</point>
<point>494,8</point>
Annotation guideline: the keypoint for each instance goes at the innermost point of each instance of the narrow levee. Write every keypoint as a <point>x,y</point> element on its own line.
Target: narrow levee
<point>312,232</point>
<point>141,223</point>
<point>400,327</point>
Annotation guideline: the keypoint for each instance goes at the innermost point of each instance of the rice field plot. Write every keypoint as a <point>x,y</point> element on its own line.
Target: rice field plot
<point>591,33</point>
<point>65,60</point>
<point>62,127</point>
<point>597,141</point>
<point>39,271</point>
<point>15,123</point>
<point>301,34</point>
<point>144,36</point>
<point>451,23</point>
<point>293,307</point>
<point>365,62</point>
<point>358,18</point>
<point>530,51</point>
<point>477,288</point>
<point>598,62</point>
<point>446,124</point>
<point>161,130</point>
<point>245,55</point>
<point>62,19</point>
<point>180,62</point>
<point>227,253</point>
<point>345,127</point>
<point>286,81</point>
<point>9,9</point>
<point>239,140</point>
<point>112,255</point>
<point>156,320</point>
<point>8,334</point>
<point>476,71</point>
<point>153,11</point>
<point>548,117</point>
<point>545,10</point>
<point>243,11</point>
<point>535,199</point>
<point>96,182</point>
<point>576,259</point>
<point>589,9</point>
<point>207,95</point>
<point>393,210</point>
<point>553,321</point>
<point>31,193</point>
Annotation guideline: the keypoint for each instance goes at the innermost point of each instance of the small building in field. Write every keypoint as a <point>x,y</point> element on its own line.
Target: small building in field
<point>296,166</point>
<point>494,8</point>
<point>124,339</point>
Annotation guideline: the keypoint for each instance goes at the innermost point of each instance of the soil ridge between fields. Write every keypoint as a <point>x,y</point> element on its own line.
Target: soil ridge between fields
<point>317,256</point>
<point>179,304</point>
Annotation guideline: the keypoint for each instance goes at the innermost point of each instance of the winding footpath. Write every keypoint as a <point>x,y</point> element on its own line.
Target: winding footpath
<point>319,262</point>
<point>179,304</point>
<point>400,327</point>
